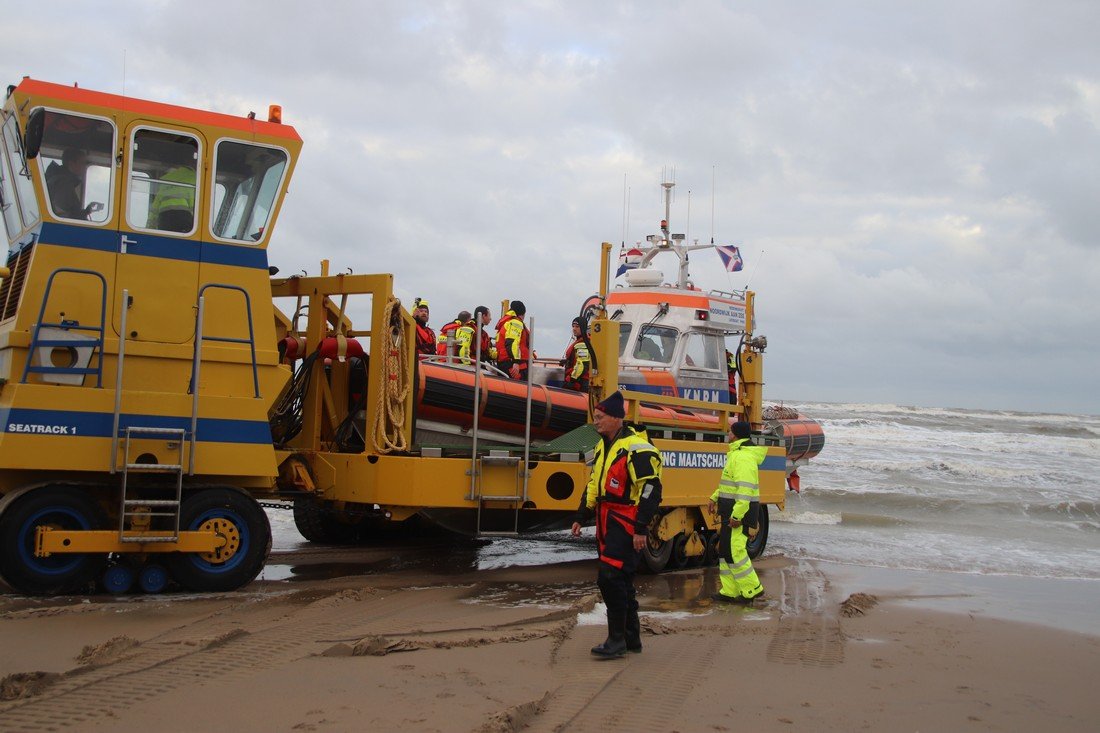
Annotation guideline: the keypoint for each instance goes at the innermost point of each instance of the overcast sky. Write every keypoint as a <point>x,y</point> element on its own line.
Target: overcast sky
<point>915,186</point>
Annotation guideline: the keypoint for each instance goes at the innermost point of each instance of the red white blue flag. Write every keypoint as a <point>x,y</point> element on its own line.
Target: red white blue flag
<point>731,257</point>
<point>629,259</point>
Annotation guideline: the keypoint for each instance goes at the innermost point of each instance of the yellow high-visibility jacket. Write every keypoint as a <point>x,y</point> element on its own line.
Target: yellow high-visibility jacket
<point>739,486</point>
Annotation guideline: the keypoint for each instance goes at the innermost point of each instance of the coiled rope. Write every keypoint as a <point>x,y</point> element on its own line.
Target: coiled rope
<point>389,417</point>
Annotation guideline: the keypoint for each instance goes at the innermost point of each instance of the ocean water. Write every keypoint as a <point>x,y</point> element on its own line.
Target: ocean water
<point>970,491</point>
<point>914,488</point>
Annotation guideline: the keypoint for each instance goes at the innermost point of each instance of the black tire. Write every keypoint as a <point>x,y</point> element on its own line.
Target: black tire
<point>711,556</point>
<point>755,546</point>
<point>655,559</point>
<point>321,525</point>
<point>240,519</point>
<point>64,507</point>
<point>679,559</point>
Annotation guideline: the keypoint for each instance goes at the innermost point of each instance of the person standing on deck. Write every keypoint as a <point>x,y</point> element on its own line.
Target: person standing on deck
<point>513,342</point>
<point>425,336</point>
<point>466,334</point>
<point>447,343</point>
<point>578,359</point>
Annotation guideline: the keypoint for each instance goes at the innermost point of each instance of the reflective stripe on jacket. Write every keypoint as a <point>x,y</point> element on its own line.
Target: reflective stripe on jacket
<point>740,482</point>
<point>578,362</point>
<point>621,470</point>
<point>169,197</point>
<point>512,339</point>
<point>444,333</point>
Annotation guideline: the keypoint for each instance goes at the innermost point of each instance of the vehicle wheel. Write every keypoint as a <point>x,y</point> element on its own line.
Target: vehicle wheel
<point>60,507</point>
<point>755,546</point>
<point>711,557</point>
<point>239,520</point>
<point>655,554</point>
<point>321,525</point>
<point>153,578</point>
<point>117,579</point>
<point>679,559</point>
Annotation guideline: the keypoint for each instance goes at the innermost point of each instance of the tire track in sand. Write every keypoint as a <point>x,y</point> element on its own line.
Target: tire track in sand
<point>634,693</point>
<point>193,655</point>
<point>809,632</point>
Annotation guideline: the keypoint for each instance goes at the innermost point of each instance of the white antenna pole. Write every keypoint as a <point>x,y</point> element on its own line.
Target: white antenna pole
<point>124,72</point>
<point>712,203</point>
<point>687,230</point>
<point>626,204</point>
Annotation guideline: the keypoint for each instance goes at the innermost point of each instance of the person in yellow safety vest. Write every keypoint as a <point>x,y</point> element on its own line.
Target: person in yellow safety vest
<point>737,501</point>
<point>173,206</point>
<point>578,359</point>
<point>624,492</point>
<point>449,333</point>
<point>465,337</point>
<point>513,342</point>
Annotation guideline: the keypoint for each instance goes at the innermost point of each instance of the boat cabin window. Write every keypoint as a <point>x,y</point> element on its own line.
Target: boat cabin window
<point>7,200</point>
<point>624,337</point>
<point>77,161</point>
<point>163,187</point>
<point>656,344</point>
<point>704,351</point>
<point>247,179</point>
<point>17,167</point>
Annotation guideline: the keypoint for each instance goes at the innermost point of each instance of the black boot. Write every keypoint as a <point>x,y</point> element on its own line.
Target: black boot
<point>615,644</point>
<point>633,632</point>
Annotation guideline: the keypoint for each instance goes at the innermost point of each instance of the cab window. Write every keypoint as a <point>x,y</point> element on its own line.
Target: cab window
<point>703,351</point>
<point>655,343</point>
<point>7,199</point>
<point>247,179</point>
<point>76,159</point>
<point>163,182</point>
<point>624,337</point>
<point>17,167</point>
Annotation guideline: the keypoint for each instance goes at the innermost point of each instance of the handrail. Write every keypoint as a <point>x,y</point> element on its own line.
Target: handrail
<point>118,378</point>
<point>40,324</point>
<point>527,420</point>
<point>251,340</point>
<point>196,363</point>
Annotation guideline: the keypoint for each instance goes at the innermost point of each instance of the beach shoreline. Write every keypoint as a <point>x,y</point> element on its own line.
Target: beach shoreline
<point>832,648</point>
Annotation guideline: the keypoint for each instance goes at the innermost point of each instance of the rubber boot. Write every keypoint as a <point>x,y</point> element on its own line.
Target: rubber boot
<point>633,632</point>
<point>615,644</point>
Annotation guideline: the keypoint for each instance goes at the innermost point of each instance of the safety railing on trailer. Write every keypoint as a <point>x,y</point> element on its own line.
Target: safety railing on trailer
<point>723,412</point>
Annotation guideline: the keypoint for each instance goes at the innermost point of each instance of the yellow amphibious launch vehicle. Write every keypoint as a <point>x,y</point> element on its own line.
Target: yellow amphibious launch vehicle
<point>153,394</point>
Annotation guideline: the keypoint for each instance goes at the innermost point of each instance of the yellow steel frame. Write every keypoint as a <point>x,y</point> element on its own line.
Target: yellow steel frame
<point>49,541</point>
<point>324,407</point>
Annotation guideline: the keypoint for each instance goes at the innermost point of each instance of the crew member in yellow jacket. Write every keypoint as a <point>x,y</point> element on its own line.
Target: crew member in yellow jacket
<point>624,493</point>
<point>737,500</point>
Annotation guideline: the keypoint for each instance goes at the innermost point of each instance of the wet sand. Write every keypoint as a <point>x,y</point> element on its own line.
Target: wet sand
<point>421,640</point>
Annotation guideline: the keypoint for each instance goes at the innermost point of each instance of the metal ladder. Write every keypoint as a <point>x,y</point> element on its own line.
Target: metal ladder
<point>127,505</point>
<point>500,458</point>
<point>151,508</point>
<point>516,498</point>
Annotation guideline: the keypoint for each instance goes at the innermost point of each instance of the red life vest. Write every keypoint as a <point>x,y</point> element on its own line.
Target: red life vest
<point>425,340</point>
